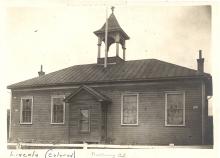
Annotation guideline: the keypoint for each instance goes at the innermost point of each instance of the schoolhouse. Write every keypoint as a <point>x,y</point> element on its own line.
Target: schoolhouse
<point>113,101</point>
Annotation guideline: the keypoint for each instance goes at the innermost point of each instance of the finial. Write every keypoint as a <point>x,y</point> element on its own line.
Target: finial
<point>200,54</point>
<point>112,8</point>
<point>41,67</point>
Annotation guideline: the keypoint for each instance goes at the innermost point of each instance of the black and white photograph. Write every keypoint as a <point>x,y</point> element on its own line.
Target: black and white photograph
<point>108,77</point>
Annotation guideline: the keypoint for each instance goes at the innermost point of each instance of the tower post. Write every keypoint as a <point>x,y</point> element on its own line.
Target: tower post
<point>124,49</point>
<point>99,47</point>
<point>117,41</point>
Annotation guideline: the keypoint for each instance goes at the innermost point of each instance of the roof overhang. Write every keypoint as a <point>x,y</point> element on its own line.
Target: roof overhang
<point>102,32</point>
<point>206,77</point>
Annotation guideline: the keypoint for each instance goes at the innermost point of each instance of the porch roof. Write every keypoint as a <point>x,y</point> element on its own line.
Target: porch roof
<point>100,97</point>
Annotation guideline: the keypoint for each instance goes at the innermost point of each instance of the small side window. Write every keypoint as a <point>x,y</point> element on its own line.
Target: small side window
<point>175,109</point>
<point>57,110</point>
<point>26,110</point>
<point>129,109</point>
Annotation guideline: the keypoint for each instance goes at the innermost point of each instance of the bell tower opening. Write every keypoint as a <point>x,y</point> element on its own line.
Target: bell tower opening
<point>115,37</point>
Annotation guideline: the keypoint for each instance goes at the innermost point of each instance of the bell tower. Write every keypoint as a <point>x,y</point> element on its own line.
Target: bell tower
<point>115,34</point>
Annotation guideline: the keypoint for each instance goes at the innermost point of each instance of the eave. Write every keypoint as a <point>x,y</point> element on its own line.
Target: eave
<point>206,77</point>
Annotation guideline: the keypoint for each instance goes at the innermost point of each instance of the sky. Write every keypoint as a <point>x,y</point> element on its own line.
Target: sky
<point>59,37</point>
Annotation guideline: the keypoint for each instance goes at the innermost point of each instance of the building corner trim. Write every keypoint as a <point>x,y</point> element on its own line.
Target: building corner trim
<point>203,112</point>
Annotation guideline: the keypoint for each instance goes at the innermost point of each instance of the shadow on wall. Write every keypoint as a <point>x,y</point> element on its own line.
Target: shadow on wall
<point>210,131</point>
<point>8,123</point>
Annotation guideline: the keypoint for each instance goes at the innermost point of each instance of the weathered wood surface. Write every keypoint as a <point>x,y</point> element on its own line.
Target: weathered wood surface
<point>151,129</point>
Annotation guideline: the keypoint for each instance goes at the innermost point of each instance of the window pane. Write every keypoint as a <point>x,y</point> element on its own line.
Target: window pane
<point>130,109</point>
<point>175,109</point>
<point>58,110</point>
<point>26,110</point>
<point>84,114</point>
<point>84,126</point>
<point>84,120</point>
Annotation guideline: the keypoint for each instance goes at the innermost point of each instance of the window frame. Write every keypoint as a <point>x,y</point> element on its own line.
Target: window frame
<point>81,119</point>
<point>21,110</point>
<point>51,120</point>
<point>183,95</point>
<point>122,106</point>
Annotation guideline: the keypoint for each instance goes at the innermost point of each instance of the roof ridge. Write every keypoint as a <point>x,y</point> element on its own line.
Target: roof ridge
<point>67,68</point>
<point>175,64</point>
<point>43,76</point>
<point>112,21</point>
<point>162,61</point>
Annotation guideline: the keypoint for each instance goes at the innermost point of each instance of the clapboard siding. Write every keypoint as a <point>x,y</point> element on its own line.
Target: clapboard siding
<point>151,129</point>
<point>40,130</point>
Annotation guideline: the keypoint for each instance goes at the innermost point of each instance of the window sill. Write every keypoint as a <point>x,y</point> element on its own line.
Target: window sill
<point>175,125</point>
<point>25,123</point>
<point>84,132</point>
<point>129,125</point>
<point>57,123</point>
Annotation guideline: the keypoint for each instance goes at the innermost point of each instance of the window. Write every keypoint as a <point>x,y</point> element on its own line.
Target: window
<point>26,110</point>
<point>57,110</point>
<point>175,109</point>
<point>84,120</point>
<point>129,109</point>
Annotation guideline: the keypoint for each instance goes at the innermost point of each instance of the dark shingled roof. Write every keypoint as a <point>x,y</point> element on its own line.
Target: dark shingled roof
<point>113,25</point>
<point>135,70</point>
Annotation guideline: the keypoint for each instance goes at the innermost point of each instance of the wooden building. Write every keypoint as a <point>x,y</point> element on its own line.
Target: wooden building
<point>149,102</point>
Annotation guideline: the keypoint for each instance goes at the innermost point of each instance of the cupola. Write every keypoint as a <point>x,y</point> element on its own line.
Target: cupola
<point>114,34</point>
